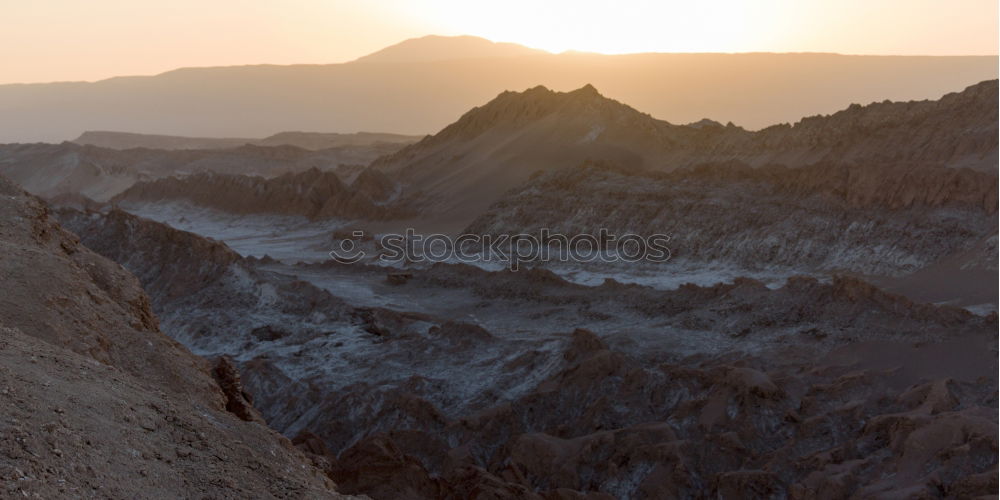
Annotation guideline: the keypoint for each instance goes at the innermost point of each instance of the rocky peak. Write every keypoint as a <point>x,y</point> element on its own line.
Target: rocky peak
<point>516,109</point>
<point>706,123</point>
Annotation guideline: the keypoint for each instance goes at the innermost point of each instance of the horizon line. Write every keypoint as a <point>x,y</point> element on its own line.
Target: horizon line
<point>546,53</point>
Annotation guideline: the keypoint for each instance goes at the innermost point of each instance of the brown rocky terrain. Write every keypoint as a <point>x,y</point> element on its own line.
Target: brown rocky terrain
<point>98,402</point>
<point>726,427</point>
<point>826,360</point>
<point>493,148</point>
<point>889,220</point>
<point>557,390</point>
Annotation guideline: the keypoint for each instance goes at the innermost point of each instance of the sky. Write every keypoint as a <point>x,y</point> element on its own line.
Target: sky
<point>73,40</point>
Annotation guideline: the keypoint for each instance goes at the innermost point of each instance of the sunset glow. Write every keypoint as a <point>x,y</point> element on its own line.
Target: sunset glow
<point>59,40</point>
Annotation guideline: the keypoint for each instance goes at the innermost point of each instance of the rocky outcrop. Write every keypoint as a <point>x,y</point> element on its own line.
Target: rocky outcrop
<point>97,401</point>
<point>238,401</point>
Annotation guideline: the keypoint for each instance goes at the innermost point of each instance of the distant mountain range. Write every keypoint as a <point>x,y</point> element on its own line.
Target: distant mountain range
<point>420,85</point>
<point>443,48</point>
<point>99,173</point>
<point>306,140</point>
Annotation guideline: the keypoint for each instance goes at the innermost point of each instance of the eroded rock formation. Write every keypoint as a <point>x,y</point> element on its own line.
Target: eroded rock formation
<point>97,401</point>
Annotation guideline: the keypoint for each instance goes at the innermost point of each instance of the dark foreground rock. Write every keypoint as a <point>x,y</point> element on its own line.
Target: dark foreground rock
<point>95,401</point>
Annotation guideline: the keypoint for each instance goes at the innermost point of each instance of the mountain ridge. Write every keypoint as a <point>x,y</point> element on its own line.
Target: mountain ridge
<point>494,147</point>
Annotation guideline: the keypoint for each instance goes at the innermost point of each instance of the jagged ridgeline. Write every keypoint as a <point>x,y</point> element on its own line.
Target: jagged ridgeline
<point>496,147</point>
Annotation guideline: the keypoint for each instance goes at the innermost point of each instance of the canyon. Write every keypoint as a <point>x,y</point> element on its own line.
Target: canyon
<point>826,326</point>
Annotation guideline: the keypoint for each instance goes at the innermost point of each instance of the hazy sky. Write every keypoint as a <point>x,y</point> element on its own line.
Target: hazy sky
<point>58,40</point>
